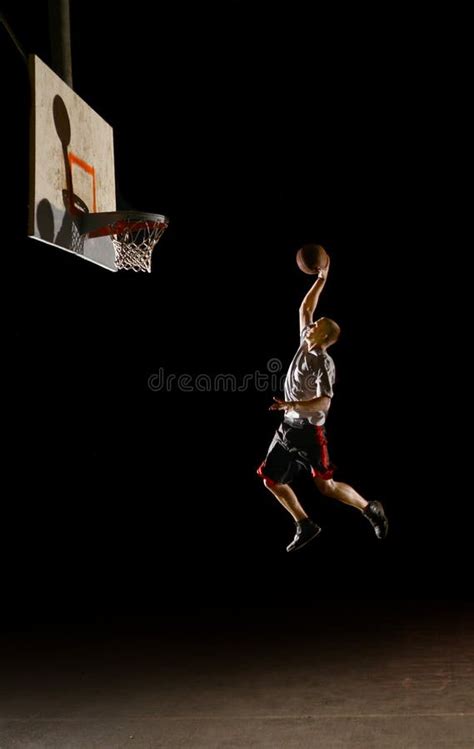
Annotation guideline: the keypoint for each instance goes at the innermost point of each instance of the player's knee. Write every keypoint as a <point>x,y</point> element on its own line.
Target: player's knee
<point>269,483</point>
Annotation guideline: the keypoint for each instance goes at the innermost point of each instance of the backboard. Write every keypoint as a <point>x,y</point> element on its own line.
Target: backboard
<point>71,167</point>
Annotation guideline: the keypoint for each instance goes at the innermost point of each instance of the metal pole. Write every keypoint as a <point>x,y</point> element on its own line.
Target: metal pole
<point>60,38</point>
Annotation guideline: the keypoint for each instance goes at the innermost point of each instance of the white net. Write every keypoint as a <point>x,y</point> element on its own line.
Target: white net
<point>134,242</point>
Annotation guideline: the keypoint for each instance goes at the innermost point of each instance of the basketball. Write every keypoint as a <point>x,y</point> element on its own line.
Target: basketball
<point>311,258</point>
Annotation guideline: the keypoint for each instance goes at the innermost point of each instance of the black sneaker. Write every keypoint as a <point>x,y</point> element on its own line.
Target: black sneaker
<point>306,530</point>
<point>375,514</point>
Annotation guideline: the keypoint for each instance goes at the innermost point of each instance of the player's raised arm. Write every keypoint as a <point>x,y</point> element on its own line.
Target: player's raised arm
<point>310,301</point>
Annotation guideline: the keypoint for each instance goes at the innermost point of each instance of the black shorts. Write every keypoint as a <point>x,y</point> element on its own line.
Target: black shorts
<point>296,449</point>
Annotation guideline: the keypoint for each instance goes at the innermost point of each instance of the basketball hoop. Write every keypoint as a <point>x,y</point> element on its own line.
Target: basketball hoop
<point>134,235</point>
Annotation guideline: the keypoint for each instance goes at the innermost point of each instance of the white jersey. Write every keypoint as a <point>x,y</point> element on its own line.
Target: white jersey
<point>311,374</point>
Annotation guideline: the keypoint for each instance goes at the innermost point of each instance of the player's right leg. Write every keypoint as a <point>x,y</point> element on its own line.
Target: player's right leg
<point>306,529</point>
<point>276,470</point>
<point>286,496</point>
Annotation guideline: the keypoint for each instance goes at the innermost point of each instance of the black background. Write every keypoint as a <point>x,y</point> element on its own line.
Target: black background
<point>254,131</point>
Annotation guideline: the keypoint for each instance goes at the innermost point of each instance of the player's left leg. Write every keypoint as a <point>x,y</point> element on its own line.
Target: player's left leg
<point>342,492</point>
<point>373,511</point>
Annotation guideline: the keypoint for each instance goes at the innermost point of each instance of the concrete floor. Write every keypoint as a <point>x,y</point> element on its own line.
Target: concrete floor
<point>339,677</point>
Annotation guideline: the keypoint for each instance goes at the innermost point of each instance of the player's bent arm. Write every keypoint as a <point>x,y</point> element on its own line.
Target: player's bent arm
<point>311,406</point>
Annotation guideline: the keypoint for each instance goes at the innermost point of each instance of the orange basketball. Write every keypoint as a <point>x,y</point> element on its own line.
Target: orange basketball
<point>311,258</point>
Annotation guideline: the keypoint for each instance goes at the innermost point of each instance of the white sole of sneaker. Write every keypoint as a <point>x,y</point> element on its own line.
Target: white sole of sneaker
<point>300,546</point>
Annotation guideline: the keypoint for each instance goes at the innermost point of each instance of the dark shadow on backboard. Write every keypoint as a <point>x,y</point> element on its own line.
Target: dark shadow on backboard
<point>68,234</point>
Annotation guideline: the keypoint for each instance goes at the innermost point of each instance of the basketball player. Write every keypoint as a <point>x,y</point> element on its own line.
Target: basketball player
<point>300,441</point>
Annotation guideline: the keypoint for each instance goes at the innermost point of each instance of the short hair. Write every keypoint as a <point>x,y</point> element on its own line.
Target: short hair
<point>332,329</point>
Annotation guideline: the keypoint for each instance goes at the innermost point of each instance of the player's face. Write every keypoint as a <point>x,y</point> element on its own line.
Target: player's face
<point>316,334</point>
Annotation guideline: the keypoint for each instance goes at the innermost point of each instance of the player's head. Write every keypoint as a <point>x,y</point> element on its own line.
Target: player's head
<point>322,333</point>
